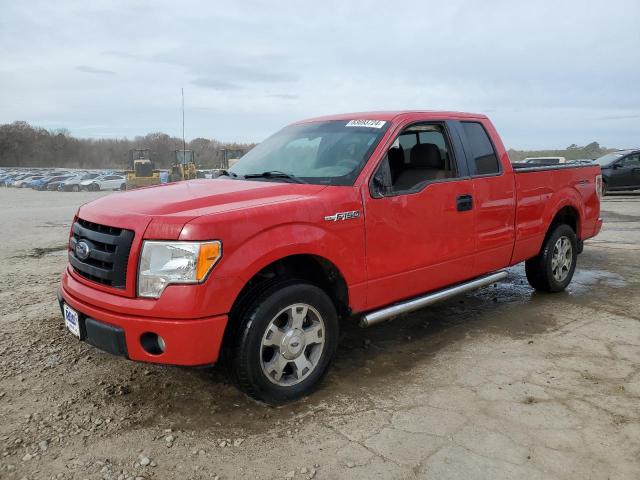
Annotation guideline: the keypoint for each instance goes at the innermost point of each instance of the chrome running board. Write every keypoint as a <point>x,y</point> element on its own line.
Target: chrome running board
<point>377,316</point>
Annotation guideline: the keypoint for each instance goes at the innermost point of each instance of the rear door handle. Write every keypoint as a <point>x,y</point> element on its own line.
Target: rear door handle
<point>464,203</point>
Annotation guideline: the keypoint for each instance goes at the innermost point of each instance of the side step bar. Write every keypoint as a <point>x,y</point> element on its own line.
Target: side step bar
<point>377,316</point>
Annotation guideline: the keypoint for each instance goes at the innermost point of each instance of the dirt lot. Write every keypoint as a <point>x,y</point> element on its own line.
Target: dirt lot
<point>501,383</point>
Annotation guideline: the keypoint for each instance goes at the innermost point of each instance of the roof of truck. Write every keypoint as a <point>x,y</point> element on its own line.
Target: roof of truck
<point>391,115</point>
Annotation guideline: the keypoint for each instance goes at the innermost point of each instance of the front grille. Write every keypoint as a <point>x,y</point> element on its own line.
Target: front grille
<point>109,249</point>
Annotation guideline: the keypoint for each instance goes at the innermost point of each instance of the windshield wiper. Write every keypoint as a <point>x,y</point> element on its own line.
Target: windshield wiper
<point>275,174</point>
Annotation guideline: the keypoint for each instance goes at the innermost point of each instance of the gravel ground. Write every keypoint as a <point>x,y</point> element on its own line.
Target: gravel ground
<point>500,383</point>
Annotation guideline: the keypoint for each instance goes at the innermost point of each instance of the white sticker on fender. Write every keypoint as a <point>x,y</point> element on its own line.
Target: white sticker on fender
<point>366,123</point>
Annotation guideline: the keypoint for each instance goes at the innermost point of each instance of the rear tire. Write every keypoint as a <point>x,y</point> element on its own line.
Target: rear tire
<point>284,343</point>
<point>552,269</point>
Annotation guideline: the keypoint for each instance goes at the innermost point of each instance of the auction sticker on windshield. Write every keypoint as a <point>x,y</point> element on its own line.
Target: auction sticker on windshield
<point>71,320</point>
<point>366,123</point>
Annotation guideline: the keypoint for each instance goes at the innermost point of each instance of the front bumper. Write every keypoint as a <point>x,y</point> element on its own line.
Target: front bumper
<point>187,342</point>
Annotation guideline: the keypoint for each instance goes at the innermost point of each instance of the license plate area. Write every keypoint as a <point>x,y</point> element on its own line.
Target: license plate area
<point>71,320</point>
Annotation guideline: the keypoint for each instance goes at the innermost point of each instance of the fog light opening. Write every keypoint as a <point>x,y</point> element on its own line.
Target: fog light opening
<point>152,343</point>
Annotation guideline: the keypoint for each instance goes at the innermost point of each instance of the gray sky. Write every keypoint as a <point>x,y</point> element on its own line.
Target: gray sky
<point>548,73</point>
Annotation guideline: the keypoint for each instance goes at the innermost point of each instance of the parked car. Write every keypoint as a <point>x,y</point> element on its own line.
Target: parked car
<point>367,215</point>
<point>44,182</point>
<point>16,178</point>
<point>54,185</point>
<point>106,182</point>
<point>73,184</point>
<point>6,179</point>
<point>620,170</point>
<point>37,183</point>
<point>24,182</point>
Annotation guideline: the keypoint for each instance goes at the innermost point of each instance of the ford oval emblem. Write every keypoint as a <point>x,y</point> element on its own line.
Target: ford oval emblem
<point>82,250</point>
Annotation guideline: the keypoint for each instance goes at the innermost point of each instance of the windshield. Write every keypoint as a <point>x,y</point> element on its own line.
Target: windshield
<point>608,158</point>
<point>331,153</point>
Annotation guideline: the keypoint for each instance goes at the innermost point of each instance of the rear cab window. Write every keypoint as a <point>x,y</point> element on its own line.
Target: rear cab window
<point>481,154</point>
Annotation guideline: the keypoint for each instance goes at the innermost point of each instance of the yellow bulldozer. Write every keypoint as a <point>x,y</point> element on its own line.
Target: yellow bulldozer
<point>184,166</point>
<point>141,171</point>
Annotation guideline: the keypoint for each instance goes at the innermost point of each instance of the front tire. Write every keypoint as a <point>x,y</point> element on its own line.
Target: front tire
<point>552,269</point>
<point>285,342</point>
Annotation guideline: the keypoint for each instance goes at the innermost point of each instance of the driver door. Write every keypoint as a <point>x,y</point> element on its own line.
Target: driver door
<point>419,216</point>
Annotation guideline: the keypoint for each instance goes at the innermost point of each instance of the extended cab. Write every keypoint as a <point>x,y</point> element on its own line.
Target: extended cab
<point>368,215</point>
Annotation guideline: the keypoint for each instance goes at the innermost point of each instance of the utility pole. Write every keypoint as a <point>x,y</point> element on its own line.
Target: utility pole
<point>184,144</point>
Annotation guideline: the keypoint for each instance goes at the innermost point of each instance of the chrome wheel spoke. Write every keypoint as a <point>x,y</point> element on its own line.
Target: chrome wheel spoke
<point>274,336</point>
<point>314,334</point>
<point>303,366</point>
<point>298,314</point>
<point>275,367</point>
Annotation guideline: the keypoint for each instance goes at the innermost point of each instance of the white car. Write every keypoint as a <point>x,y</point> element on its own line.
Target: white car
<point>104,182</point>
<point>22,183</point>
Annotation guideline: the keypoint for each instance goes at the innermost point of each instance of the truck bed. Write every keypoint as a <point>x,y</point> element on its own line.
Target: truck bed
<point>542,191</point>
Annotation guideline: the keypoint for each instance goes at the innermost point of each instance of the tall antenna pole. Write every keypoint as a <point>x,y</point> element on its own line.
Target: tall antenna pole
<point>184,145</point>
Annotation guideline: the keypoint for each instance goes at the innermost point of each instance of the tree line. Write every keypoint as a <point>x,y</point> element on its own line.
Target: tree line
<point>572,152</point>
<point>23,145</point>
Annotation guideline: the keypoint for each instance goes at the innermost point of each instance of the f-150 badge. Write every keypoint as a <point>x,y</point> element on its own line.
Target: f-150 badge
<point>342,216</point>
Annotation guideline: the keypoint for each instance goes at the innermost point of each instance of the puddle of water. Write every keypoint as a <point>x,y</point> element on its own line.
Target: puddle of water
<point>585,280</point>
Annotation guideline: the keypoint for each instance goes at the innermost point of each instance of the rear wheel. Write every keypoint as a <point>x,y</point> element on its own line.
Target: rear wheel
<point>285,342</point>
<point>552,269</point>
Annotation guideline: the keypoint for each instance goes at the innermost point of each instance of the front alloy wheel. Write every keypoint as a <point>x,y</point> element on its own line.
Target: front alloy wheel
<point>292,345</point>
<point>284,337</point>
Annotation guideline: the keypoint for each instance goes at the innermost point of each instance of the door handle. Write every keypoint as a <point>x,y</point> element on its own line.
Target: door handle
<point>464,203</point>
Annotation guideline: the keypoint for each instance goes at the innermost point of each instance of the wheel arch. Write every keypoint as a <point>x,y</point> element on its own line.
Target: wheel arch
<point>568,215</point>
<point>566,206</point>
<point>312,268</point>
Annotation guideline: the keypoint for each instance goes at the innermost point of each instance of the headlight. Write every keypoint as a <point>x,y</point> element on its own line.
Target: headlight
<point>164,263</point>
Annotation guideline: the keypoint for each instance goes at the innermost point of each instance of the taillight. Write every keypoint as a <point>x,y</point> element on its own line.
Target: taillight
<point>599,186</point>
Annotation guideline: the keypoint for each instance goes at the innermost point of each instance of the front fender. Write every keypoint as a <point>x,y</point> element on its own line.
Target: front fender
<point>285,240</point>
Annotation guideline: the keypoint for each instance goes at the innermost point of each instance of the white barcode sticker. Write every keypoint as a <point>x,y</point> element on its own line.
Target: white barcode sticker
<point>366,123</point>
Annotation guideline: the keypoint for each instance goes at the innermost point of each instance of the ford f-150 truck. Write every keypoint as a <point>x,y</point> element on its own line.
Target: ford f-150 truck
<point>366,215</point>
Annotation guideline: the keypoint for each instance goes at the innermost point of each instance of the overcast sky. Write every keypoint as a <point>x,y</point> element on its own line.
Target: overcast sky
<point>548,73</point>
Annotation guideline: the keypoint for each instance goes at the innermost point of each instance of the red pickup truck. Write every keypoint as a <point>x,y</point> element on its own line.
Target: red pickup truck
<point>365,215</point>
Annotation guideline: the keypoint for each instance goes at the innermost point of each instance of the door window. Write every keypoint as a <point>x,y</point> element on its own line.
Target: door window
<point>632,161</point>
<point>484,158</point>
<point>421,154</point>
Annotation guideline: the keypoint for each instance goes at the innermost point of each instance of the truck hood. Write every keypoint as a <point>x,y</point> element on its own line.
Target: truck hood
<point>199,197</point>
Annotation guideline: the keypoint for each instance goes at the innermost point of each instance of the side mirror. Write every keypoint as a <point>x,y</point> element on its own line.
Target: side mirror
<point>616,166</point>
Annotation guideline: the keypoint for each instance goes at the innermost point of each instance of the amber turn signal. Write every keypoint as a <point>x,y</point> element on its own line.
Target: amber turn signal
<point>209,254</point>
